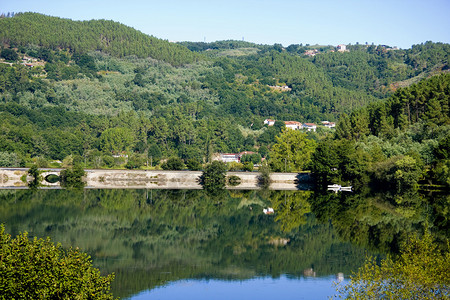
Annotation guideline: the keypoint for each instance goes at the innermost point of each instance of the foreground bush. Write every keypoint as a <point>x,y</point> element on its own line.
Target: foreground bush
<point>39,269</point>
<point>421,271</point>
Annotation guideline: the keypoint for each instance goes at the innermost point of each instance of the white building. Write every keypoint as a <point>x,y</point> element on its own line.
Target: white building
<point>341,48</point>
<point>269,122</point>
<point>293,125</point>
<point>328,124</point>
<point>310,126</point>
<point>229,157</point>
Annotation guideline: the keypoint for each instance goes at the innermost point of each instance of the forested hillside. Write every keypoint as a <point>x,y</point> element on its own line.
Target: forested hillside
<point>395,144</point>
<point>92,90</point>
<point>82,37</point>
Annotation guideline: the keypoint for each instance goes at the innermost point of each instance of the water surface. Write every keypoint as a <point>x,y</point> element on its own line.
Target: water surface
<point>188,244</point>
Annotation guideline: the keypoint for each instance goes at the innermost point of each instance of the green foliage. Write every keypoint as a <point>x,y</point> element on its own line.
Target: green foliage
<point>34,172</point>
<point>173,163</point>
<point>193,165</point>
<point>407,173</point>
<point>72,177</point>
<point>37,268</point>
<point>263,151</point>
<point>340,161</point>
<point>394,140</point>
<point>9,55</point>
<point>233,180</point>
<point>41,162</point>
<point>213,176</point>
<point>108,160</point>
<point>85,36</point>
<point>442,172</point>
<point>254,158</point>
<point>9,159</point>
<point>101,92</point>
<point>235,166</point>
<point>264,176</point>
<point>292,152</point>
<point>248,166</point>
<point>420,272</point>
<point>134,162</point>
<point>116,140</point>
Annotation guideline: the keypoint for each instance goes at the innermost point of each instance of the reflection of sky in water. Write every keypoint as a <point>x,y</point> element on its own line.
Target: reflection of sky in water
<point>258,288</point>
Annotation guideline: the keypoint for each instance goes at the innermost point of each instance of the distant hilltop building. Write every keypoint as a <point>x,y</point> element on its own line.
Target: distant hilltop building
<point>311,52</point>
<point>328,124</point>
<point>341,48</point>
<point>283,88</point>
<point>295,125</point>
<point>269,122</point>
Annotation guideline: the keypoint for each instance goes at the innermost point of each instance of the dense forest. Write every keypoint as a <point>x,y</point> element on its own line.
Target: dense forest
<point>396,143</point>
<point>81,37</point>
<point>106,95</point>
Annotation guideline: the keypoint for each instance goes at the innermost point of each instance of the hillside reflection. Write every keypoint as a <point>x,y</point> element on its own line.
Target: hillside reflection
<point>151,237</point>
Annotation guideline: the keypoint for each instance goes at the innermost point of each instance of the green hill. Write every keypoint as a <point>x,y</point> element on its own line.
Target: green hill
<point>71,87</point>
<point>84,36</point>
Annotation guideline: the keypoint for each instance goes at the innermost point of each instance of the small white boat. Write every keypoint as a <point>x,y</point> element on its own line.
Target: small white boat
<point>338,188</point>
<point>268,211</point>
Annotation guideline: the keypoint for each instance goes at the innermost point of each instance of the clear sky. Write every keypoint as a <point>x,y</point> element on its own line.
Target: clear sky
<point>401,23</point>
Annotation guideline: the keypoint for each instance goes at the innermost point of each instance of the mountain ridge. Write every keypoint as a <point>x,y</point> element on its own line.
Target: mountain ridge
<point>108,36</point>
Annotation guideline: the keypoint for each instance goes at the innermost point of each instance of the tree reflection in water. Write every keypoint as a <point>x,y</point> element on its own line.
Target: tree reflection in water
<point>151,237</point>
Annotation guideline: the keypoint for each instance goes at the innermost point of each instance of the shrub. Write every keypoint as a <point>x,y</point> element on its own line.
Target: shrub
<point>255,158</point>
<point>173,163</point>
<point>235,166</point>
<point>134,162</point>
<point>9,159</point>
<point>421,272</point>
<point>41,162</point>
<point>109,161</point>
<point>35,173</point>
<point>72,177</point>
<point>264,176</point>
<point>234,180</point>
<point>193,165</point>
<point>248,166</point>
<point>39,269</point>
<point>9,55</point>
<point>214,175</point>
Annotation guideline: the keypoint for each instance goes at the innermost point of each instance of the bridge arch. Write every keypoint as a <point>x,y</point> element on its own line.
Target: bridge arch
<point>51,177</point>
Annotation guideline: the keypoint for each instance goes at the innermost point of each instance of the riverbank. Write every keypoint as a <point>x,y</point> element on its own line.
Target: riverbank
<point>154,179</point>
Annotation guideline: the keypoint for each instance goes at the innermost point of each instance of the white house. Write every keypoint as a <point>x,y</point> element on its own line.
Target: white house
<point>341,48</point>
<point>328,124</point>
<point>310,126</point>
<point>293,125</point>
<point>269,122</point>
<point>229,157</point>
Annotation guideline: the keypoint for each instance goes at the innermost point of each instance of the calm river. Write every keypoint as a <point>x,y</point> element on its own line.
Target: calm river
<point>187,244</point>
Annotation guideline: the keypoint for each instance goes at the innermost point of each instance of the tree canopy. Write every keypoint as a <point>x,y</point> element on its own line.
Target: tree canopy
<point>420,272</point>
<point>37,268</point>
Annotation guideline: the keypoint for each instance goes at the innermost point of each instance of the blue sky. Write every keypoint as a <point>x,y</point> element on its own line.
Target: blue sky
<point>399,23</point>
